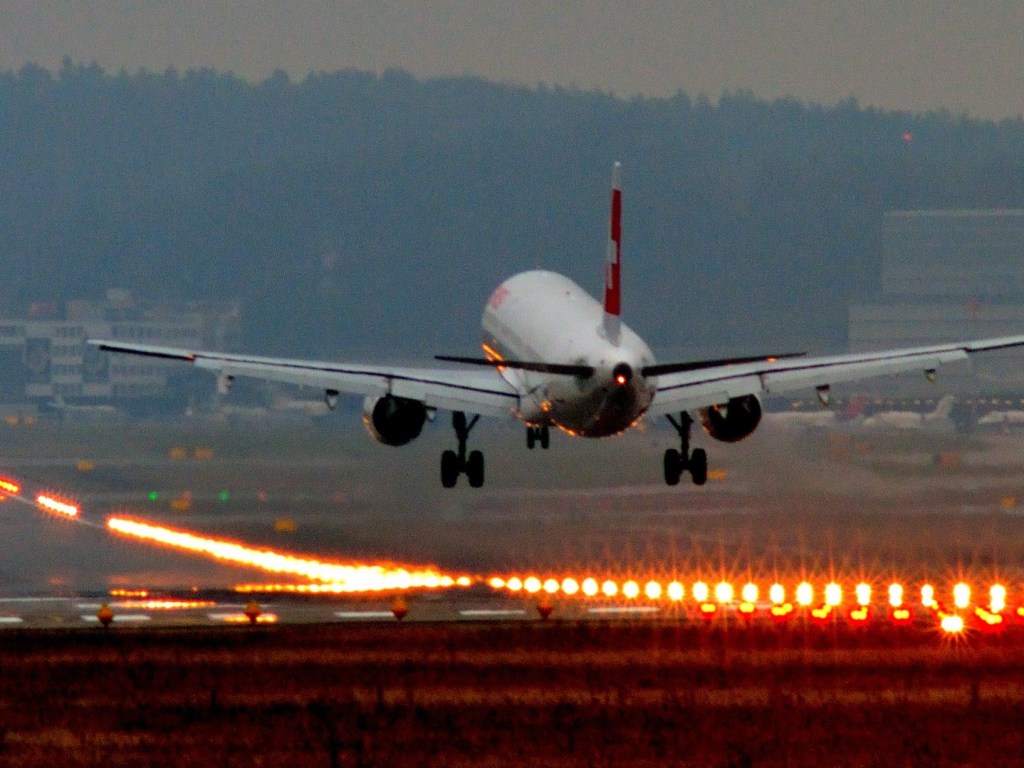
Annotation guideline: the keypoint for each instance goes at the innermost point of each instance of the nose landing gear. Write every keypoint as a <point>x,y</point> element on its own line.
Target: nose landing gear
<point>683,460</point>
<point>454,463</point>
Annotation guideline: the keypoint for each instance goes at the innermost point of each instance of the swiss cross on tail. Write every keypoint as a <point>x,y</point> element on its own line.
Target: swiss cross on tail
<point>612,286</point>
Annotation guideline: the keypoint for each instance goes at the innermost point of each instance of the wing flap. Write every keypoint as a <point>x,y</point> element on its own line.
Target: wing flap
<point>479,391</point>
<point>688,390</point>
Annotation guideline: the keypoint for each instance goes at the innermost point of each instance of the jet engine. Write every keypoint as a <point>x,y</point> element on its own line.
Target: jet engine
<point>733,421</point>
<point>394,420</point>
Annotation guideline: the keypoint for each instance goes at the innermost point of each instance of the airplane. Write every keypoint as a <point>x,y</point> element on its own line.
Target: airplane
<point>937,421</point>
<point>556,358</point>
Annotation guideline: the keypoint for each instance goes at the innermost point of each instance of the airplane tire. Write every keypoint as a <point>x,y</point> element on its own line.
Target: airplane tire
<point>699,466</point>
<point>531,437</point>
<point>475,469</point>
<point>545,437</point>
<point>449,469</point>
<point>673,466</point>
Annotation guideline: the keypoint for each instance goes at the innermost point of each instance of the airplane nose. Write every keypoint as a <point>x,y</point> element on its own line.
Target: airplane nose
<point>622,374</point>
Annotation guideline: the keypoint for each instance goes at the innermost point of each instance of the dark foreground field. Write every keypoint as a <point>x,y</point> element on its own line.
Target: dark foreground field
<point>509,694</point>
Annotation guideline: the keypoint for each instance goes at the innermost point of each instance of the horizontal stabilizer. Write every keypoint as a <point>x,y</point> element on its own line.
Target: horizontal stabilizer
<point>700,365</point>
<point>580,371</point>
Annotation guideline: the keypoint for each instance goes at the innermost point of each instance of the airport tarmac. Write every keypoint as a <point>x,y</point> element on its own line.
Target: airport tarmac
<point>913,507</point>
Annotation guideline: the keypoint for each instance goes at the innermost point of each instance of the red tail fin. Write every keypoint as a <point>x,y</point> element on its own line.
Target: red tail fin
<point>612,286</point>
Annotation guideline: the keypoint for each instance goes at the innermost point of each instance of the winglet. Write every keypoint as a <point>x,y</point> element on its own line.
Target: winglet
<point>612,285</point>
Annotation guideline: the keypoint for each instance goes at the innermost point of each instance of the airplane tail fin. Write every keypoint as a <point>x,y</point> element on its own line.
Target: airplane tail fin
<point>612,286</point>
<point>944,407</point>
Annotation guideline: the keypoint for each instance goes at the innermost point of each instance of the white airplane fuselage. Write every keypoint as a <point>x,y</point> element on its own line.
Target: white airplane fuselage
<point>544,316</point>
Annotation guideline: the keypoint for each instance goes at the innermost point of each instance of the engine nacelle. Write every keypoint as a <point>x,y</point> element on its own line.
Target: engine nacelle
<point>733,421</point>
<point>394,420</point>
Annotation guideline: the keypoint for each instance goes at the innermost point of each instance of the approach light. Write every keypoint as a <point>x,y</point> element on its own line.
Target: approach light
<point>952,624</point>
<point>675,591</point>
<point>804,594</point>
<point>777,594</point>
<point>610,588</point>
<point>631,589</point>
<point>532,585</point>
<point>570,586</point>
<point>749,593</point>
<point>700,592</point>
<point>652,590</point>
<point>863,593</point>
<point>590,587</point>
<point>961,595</point>
<point>896,595</point>
<point>724,592</point>
<point>833,594</point>
<point>997,598</point>
<point>928,596</point>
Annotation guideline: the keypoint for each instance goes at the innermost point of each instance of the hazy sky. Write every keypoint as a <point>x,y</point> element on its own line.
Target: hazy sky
<point>966,55</point>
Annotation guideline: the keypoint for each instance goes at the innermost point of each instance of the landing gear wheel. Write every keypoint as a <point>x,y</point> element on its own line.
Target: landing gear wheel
<point>531,437</point>
<point>673,466</point>
<point>449,469</point>
<point>699,466</point>
<point>545,437</point>
<point>475,469</point>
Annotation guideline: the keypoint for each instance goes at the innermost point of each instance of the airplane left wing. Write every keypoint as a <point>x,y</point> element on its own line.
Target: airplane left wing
<point>706,387</point>
<point>477,391</point>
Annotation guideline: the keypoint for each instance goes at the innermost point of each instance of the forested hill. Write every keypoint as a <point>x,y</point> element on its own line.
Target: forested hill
<point>351,212</point>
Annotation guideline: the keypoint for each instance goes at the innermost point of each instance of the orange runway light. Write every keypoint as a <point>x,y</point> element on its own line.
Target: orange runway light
<point>822,613</point>
<point>570,586</point>
<point>900,615</point>
<point>56,505</point>
<point>610,588</point>
<point>860,614</point>
<point>707,610</point>
<point>340,577</point>
<point>777,594</point>
<point>952,624</point>
<point>676,592</point>
<point>515,584</point>
<point>551,586</point>
<point>990,618</point>
<point>532,585</point>
<point>10,487</point>
<point>631,589</point>
<point>590,587</point>
<point>496,582</point>
<point>782,611</point>
<point>746,609</point>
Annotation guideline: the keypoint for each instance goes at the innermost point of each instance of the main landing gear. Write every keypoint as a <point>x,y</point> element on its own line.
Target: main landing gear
<point>454,464</point>
<point>538,436</point>
<point>683,460</point>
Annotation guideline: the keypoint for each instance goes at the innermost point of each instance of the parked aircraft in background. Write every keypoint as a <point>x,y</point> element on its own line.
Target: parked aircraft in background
<point>937,421</point>
<point>821,418</point>
<point>554,357</point>
<point>1004,419</point>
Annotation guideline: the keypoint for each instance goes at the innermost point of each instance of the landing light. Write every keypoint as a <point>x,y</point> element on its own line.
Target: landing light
<point>961,595</point>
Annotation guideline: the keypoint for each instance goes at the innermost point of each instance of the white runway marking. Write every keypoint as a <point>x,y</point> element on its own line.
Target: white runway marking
<point>364,614</point>
<point>120,618</point>
<point>623,610</point>
<point>483,613</point>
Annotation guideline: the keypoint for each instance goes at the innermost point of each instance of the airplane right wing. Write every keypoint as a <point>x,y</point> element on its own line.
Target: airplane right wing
<point>477,391</point>
<point>705,387</point>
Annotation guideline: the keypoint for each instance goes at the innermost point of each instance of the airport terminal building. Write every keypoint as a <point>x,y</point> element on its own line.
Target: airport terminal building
<point>950,275</point>
<point>44,356</point>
